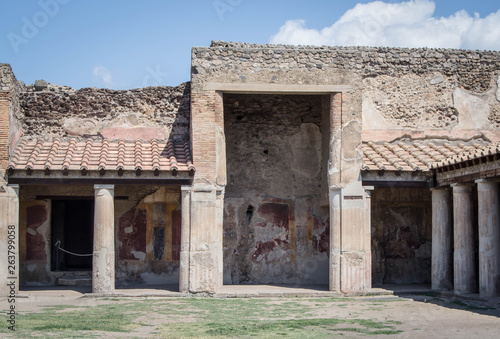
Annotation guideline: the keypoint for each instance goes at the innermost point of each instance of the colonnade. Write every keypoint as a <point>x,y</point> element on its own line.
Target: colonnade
<point>457,263</point>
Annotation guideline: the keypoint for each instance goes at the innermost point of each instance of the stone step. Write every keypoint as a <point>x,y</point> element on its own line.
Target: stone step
<point>74,281</point>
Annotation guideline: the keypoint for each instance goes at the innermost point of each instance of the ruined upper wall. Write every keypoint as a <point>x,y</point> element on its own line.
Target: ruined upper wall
<point>154,112</point>
<point>7,78</point>
<point>472,69</point>
<point>393,89</point>
<point>10,113</point>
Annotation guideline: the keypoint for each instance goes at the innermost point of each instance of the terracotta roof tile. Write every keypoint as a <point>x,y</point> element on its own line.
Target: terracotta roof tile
<point>138,154</point>
<point>422,155</point>
<point>470,152</point>
<point>96,155</point>
<point>87,153</point>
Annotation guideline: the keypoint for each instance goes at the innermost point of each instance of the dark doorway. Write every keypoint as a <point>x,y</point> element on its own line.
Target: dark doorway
<point>73,231</point>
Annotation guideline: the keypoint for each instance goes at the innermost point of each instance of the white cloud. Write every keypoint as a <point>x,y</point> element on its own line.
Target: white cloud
<point>405,24</point>
<point>102,76</point>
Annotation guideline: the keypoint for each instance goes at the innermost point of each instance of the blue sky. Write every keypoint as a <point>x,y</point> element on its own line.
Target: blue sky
<point>129,44</point>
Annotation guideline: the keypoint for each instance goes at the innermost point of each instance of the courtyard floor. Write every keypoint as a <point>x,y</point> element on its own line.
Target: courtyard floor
<point>249,311</point>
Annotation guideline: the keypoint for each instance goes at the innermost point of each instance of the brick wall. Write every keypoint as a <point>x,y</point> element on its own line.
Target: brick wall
<point>4,128</point>
<point>203,129</point>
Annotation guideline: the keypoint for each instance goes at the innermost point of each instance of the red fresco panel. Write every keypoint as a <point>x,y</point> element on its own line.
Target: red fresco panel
<point>35,243</point>
<point>176,235</point>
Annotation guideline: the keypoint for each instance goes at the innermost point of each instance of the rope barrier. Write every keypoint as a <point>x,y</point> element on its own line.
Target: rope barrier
<point>58,246</point>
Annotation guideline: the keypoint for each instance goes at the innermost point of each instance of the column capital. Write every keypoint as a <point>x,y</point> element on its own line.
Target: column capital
<point>368,191</point>
<point>441,188</point>
<point>106,187</point>
<point>487,181</point>
<point>202,188</point>
<point>14,187</point>
<point>462,187</point>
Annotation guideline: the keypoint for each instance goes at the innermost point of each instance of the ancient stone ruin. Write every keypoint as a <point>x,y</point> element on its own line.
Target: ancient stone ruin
<point>350,167</point>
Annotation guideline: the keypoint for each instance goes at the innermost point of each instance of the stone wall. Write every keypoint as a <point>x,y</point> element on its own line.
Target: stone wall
<point>417,92</point>
<point>8,80</point>
<point>472,70</point>
<point>274,228</point>
<point>58,111</point>
<point>401,236</point>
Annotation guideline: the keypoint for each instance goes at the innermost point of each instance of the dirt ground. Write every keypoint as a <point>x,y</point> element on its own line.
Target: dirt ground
<point>417,316</point>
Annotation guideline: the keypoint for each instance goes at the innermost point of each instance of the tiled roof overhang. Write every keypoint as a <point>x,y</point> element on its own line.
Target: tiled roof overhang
<point>421,155</point>
<point>418,160</point>
<point>96,158</point>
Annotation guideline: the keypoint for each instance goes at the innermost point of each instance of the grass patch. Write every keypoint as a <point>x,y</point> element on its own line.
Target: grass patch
<point>292,328</point>
<point>459,303</point>
<point>479,308</point>
<point>64,321</point>
<point>471,307</point>
<point>332,300</point>
<point>197,317</point>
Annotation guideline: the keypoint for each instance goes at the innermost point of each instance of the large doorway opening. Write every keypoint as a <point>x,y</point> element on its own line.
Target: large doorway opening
<point>72,230</point>
<point>276,227</point>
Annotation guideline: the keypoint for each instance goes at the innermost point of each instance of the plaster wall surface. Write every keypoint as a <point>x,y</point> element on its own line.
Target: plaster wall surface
<point>401,236</point>
<point>275,230</point>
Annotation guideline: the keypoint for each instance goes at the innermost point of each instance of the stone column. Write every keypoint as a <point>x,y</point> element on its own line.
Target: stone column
<point>103,267</point>
<point>464,255</point>
<point>442,231</point>
<point>185,237</point>
<point>205,255</point>
<point>335,240</point>
<point>219,235</point>
<point>489,237</point>
<point>353,259</point>
<point>368,237</point>
<point>9,240</point>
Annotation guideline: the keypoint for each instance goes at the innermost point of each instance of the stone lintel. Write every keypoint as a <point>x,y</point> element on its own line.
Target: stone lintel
<point>276,88</point>
<point>379,178</point>
<point>487,170</point>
